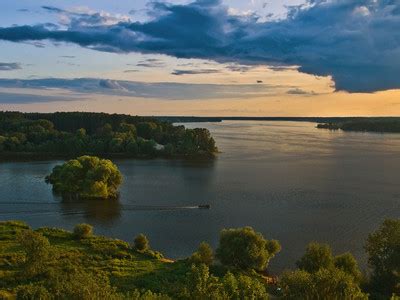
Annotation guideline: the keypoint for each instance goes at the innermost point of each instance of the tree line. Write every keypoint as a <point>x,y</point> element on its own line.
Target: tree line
<point>79,133</point>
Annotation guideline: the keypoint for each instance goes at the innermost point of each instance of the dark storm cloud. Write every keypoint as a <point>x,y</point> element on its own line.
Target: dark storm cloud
<point>357,42</point>
<point>9,66</point>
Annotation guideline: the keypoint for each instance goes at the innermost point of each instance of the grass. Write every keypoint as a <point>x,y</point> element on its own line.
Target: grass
<point>126,268</point>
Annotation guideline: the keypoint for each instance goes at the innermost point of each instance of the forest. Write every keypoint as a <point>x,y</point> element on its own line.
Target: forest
<point>364,124</point>
<point>52,263</point>
<point>67,134</point>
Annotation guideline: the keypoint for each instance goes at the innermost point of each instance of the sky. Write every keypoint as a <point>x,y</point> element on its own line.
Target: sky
<point>202,57</point>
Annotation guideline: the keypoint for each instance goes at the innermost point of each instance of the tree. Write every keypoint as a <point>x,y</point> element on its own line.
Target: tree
<point>141,243</point>
<point>146,129</point>
<point>244,248</point>
<point>86,177</point>
<point>201,284</point>
<point>323,284</point>
<point>317,256</point>
<point>74,282</point>
<point>82,231</point>
<point>348,264</point>
<point>383,249</point>
<point>204,255</point>
<point>37,250</point>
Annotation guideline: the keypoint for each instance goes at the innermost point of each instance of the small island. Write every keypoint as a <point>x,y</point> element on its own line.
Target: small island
<point>86,177</point>
<point>384,124</point>
<point>71,134</point>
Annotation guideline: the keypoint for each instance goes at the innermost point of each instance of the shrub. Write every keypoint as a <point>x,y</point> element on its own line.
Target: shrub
<point>141,243</point>
<point>37,250</point>
<point>83,231</point>
<point>244,248</point>
<point>204,255</point>
<point>30,291</point>
<point>317,256</point>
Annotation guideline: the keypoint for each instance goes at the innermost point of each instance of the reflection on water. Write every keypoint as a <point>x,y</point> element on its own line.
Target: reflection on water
<point>93,210</point>
<point>288,180</point>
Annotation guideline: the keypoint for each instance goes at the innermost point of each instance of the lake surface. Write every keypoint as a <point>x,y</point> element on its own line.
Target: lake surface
<point>288,180</point>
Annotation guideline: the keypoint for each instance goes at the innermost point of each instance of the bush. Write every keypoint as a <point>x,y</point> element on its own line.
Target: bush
<point>323,284</point>
<point>245,249</point>
<point>204,255</point>
<point>30,291</point>
<point>141,243</point>
<point>317,256</point>
<point>83,231</point>
<point>37,250</point>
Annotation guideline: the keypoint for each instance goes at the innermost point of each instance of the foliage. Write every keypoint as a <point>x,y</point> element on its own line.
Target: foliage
<point>383,249</point>
<point>141,243</point>
<point>86,177</point>
<point>317,256</point>
<point>378,124</point>
<point>82,231</point>
<point>203,255</point>
<point>323,284</point>
<point>30,291</point>
<point>323,276</point>
<point>79,133</point>
<point>37,251</point>
<point>348,264</point>
<point>244,248</point>
<point>74,282</point>
<point>144,295</point>
<point>201,284</point>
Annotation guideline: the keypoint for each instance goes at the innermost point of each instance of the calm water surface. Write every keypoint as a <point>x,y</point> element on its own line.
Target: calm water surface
<point>288,180</point>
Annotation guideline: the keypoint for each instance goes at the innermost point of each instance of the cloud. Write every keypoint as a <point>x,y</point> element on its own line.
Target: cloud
<point>111,84</point>
<point>151,63</point>
<point>9,66</point>
<point>195,72</point>
<point>298,91</point>
<point>356,42</point>
<point>84,87</point>
<point>25,98</point>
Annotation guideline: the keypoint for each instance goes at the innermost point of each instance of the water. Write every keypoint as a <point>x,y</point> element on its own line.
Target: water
<point>288,180</point>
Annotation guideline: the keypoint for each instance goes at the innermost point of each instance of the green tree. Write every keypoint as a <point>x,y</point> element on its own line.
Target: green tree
<point>37,251</point>
<point>244,248</point>
<point>74,282</point>
<point>383,250</point>
<point>317,256</point>
<point>146,129</point>
<point>323,284</point>
<point>201,284</point>
<point>82,231</point>
<point>348,264</point>
<point>141,243</point>
<point>86,177</point>
<point>203,255</point>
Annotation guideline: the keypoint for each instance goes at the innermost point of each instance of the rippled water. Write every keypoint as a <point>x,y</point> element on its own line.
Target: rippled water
<point>288,180</point>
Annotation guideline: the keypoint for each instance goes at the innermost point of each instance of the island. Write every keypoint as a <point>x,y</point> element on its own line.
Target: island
<point>70,134</point>
<point>87,177</point>
<point>385,124</point>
